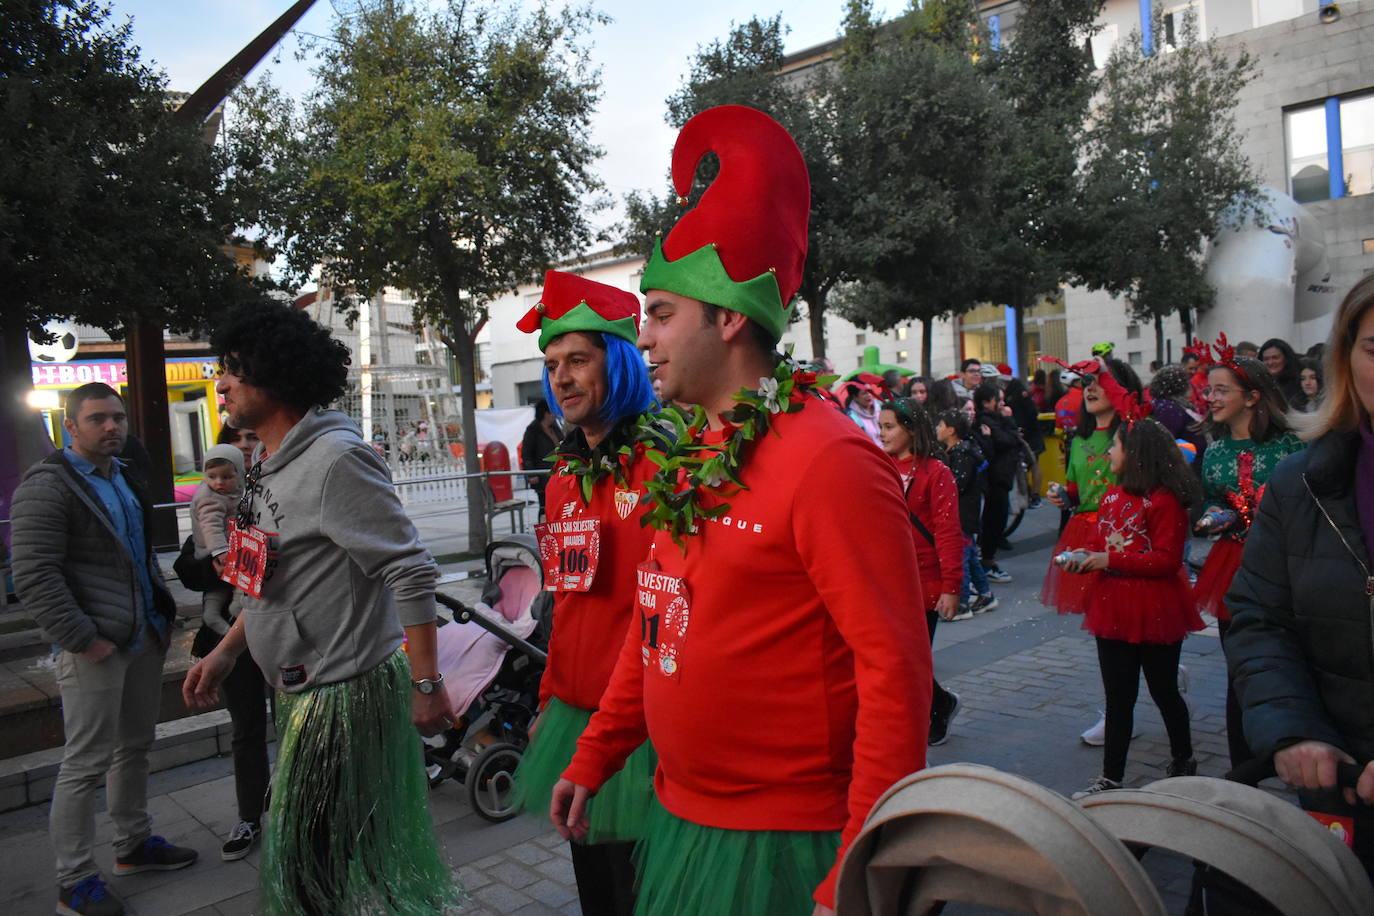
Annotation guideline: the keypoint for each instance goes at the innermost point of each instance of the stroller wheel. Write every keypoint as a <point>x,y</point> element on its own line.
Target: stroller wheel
<point>491,781</point>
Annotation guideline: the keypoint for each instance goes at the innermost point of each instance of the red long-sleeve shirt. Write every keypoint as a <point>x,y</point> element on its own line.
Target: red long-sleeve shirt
<point>933,497</point>
<point>801,690</point>
<point>589,627</point>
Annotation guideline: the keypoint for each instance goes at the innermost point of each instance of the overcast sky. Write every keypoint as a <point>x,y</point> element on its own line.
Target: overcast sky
<point>642,53</point>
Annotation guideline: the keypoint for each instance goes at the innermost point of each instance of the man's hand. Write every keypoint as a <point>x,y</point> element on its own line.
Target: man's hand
<point>947,605</point>
<point>568,809</point>
<point>99,650</point>
<point>431,713</point>
<point>200,689</point>
<point>1312,765</point>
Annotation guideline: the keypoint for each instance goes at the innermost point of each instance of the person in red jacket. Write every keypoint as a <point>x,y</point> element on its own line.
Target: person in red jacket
<point>780,669</point>
<point>595,379</point>
<point>1138,602</point>
<point>932,500</point>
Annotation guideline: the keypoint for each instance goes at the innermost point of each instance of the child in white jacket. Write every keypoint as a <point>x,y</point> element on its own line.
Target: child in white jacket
<point>212,507</point>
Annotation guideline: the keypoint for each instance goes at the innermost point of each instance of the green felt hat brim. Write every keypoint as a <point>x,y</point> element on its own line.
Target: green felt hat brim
<point>581,317</point>
<point>701,276</point>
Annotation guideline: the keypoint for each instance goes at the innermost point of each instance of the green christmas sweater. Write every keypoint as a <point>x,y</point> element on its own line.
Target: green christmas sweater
<point>1234,472</point>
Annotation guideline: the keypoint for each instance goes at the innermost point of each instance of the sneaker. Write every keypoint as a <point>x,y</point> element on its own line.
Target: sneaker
<point>241,839</point>
<point>1036,502</point>
<point>984,603</point>
<point>1100,784</point>
<point>941,719</point>
<point>156,854</point>
<point>89,897</point>
<point>1097,735</point>
<point>997,575</point>
<point>965,611</point>
<point>1182,766</point>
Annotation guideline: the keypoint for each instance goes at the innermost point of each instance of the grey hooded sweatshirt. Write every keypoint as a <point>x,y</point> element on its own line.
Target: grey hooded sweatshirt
<point>349,569</point>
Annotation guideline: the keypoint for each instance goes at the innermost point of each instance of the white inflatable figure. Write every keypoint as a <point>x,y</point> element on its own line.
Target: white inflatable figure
<point>1269,274</point>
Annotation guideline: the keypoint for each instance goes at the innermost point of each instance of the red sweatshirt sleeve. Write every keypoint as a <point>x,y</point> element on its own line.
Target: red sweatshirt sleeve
<point>943,499</point>
<point>1166,526</point>
<point>854,560</point>
<point>617,727</point>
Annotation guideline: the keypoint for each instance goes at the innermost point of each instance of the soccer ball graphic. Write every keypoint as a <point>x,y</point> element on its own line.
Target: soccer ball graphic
<point>60,350</point>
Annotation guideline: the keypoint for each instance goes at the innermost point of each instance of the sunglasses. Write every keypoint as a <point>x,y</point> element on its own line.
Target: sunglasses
<point>244,516</point>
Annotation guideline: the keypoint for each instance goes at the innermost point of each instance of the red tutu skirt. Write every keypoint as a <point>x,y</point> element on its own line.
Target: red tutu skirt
<point>1138,610</point>
<point>1209,593</point>
<point>1065,590</point>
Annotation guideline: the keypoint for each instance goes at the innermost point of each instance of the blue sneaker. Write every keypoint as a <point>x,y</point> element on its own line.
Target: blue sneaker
<point>156,854</point>
<point>89,897</point>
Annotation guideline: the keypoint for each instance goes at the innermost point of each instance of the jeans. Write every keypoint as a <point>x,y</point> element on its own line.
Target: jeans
<point>975,578</point>
<point>109,713</point>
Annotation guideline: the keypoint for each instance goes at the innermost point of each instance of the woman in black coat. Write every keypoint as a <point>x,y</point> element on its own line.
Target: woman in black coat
<point>1301,643</point>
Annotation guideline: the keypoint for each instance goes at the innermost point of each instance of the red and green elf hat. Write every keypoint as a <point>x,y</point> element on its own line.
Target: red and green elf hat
<point>744,244</point>
<point>573,303</point>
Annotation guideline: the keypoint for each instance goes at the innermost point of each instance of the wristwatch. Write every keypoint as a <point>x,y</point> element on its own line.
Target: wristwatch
<point>428,685</point>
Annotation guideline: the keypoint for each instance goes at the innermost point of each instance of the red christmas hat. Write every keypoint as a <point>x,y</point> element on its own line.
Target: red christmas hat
<point>573,303</point>
<point>744,244</point>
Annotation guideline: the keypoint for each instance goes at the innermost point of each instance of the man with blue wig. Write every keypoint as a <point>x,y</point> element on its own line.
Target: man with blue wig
<point>596,380</point>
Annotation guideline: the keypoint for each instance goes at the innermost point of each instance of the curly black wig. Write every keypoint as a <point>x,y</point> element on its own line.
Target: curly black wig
<point>279,349</point>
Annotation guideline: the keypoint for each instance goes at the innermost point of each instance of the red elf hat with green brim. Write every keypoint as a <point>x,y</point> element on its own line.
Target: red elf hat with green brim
<point>573,303</point>
<point>742,247</point>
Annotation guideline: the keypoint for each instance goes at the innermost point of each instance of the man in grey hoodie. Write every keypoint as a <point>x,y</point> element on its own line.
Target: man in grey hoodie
<point>84,568</point>
<point>336,580</point>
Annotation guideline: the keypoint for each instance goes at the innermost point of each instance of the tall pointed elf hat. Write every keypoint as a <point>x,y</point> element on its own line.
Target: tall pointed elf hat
<point>573,303</point>
<point>742,247</point>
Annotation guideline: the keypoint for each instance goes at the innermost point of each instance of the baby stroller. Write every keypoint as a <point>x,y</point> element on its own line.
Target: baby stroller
<point>494,691</point>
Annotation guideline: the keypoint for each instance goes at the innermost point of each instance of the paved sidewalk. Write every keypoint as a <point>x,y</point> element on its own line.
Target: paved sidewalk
<point>1027,679</point>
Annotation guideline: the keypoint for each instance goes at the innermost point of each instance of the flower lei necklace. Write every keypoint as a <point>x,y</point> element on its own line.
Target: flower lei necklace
<point>688,468</point>
<point>592,467</point>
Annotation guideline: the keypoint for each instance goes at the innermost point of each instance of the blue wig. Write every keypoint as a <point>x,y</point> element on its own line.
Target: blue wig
<point>628,389</point>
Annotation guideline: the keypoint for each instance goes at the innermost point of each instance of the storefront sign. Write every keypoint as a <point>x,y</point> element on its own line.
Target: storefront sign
<point>81,372</point>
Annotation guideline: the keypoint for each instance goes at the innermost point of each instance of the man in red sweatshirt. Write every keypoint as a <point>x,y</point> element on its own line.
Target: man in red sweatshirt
<point>781,667</point>
<point>596,380</point>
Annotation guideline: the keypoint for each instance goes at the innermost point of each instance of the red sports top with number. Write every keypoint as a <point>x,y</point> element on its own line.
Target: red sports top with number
<point>589,627</point>
<point>800,690</point>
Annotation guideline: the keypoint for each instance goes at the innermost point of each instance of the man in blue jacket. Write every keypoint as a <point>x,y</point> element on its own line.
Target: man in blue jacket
<point>84,568</point>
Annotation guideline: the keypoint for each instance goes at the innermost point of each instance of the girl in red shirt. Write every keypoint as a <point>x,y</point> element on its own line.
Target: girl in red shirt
<point>932,500</point>
<point>1138,602</point>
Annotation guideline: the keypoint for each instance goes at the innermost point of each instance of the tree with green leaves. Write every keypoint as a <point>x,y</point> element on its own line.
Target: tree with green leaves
<point>1163,165</point>
<point>111,213</point>
<point>920,133</point>
<point>746,69</point>
<point>445,151</point>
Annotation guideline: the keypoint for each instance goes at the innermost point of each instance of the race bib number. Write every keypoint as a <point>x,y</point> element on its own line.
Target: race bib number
<point>248,560</point>
<point>664,613</point>
<point>570,551</point>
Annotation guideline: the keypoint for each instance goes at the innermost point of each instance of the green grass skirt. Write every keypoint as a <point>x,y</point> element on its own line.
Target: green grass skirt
<point>349,830</point>
<point>617,812</point>
<point>710,871</point>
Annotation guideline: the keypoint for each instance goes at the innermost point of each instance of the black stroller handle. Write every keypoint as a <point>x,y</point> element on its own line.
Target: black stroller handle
<point>464,614</point>
<point>1252,772</point>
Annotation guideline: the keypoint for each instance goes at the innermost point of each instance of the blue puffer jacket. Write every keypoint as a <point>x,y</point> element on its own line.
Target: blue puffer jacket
<point>72,571</point>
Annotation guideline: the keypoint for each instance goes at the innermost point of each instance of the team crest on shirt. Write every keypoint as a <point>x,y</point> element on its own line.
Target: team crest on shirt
<point>625,502</point>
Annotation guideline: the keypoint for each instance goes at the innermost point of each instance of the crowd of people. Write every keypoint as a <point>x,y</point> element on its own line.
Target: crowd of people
<point>705,506</point>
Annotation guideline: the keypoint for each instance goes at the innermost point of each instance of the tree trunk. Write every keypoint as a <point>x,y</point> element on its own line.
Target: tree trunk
<point>815,308</point>
<point>1159,339</point>
<point>1025,368</point>
<point>927,330</point>
<point>23,440</point>
<point>1185,316</point>
<point>464,349</point>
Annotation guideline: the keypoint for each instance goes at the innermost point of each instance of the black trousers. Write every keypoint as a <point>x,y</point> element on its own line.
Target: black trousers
<point>939,696</point>
<point>605,878</point>
<point>996,504</point>
<point>245,694</point>
<point>1235,723</point>
<point>1121,664</point>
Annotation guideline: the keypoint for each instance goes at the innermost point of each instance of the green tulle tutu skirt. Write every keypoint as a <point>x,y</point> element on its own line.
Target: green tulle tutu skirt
<point>710,871</point>
<point>349,830</point>
<point>617,813</point>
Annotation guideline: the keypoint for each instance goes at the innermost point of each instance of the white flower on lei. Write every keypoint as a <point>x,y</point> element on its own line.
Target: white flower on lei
<point>768,388</point>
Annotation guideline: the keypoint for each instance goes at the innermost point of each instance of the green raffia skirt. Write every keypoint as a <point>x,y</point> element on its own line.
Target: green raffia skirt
<point>710,871</point>
<point>349,830</point>
<point>617,812</point>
